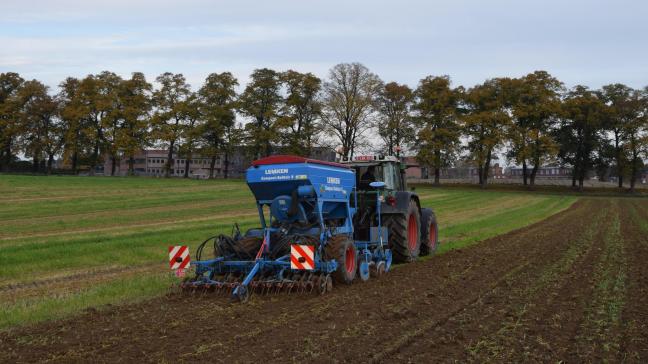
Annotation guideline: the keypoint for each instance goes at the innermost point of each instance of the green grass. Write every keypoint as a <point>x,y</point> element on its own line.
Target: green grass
<point>46,308</point>
<point>53,227</point>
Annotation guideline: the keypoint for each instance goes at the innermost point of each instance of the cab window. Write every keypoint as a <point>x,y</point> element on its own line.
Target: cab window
<point>391,176</point>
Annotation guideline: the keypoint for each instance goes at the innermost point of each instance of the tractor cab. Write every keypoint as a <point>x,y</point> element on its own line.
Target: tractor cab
<point>387,169</point>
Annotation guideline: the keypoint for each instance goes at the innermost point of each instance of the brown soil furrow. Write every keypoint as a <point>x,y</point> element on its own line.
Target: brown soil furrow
<point>478,330</point>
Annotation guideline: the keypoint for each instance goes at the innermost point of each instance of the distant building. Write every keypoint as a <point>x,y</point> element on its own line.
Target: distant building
<point>462,170</point>
<point>414,170</point>
<point>543,171</point>
<point>152,162</point>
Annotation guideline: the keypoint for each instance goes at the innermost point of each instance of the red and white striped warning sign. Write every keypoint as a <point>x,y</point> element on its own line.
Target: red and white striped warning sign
<point>302,257</point>
<point>178,257</point>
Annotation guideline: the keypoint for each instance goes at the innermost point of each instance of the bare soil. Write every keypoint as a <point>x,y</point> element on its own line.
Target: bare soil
<point>571,288</point>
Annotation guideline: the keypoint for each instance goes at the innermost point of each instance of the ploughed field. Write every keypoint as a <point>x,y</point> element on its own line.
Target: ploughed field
<point>573,287</point>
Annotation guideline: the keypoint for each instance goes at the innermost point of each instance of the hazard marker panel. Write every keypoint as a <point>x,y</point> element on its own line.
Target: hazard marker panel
<point>302,257</point>
<point>179,257</point>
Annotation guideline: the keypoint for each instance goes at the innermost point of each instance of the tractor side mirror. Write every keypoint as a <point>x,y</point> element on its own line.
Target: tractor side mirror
<point>377,185</point>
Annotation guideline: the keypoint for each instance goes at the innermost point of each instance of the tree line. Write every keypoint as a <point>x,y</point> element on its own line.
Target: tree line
<point>533,120</point>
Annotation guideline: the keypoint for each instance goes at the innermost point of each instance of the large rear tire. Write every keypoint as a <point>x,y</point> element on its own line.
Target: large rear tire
<point>404,233</point>
<point>429,232</point>
<point>342,249</point>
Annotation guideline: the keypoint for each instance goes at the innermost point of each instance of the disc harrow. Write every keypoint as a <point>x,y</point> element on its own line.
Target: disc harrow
<point>302,283</point>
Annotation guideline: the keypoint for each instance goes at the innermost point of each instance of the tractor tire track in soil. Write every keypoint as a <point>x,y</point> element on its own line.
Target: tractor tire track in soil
<point>572,287</point>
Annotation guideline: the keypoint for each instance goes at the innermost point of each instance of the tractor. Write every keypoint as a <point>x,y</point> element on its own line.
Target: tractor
<point>321,223</point>
<point>413,229</point>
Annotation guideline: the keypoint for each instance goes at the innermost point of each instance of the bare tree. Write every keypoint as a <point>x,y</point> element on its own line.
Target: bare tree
<point>349,103</point>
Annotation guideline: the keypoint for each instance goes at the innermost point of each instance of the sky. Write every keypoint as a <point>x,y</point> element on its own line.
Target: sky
<point>581,42</point>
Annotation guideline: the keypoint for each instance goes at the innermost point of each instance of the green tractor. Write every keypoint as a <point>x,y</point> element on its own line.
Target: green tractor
<point>411,229</point>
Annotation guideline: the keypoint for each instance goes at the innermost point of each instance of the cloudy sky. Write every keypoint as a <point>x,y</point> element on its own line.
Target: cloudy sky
<point>589,42</point>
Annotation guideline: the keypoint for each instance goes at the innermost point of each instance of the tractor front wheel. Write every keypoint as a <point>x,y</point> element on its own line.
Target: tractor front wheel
<point>342,249</point>
<point>429,232</point>
<point>404,233</point>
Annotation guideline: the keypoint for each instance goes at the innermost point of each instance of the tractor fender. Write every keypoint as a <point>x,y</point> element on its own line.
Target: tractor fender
<point>403,199</point>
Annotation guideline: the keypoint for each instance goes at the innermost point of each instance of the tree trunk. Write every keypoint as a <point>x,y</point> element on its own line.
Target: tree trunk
<point>481,174</point>
<point>618,158</point>
<point>574,177</point>
<point>484,179</point>
<point>169,163</point>
<point>268,149</point>
<point>226,169</point>
<point>131,165</point>
<point>186,169</point>
<point>212,163</point>
<point>486,170</point>
<point>7,156</point>
<point>113,162</point>
<point>50,162</point>
<point>75,162</point>
<point>437,166</point>
<point>634,171</point>
<point>582,171</point>
<point>35,165</point>
<point>95,159</point>
<point>534,172</point>
<point>524,172</point>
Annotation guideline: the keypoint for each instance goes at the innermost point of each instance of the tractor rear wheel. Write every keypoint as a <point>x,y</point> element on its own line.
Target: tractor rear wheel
<point>342,249</point>
<point>429,232</point>
<point>404,233</point>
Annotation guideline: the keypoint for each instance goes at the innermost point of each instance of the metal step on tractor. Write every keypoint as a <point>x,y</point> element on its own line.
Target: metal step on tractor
<point>321,223</point>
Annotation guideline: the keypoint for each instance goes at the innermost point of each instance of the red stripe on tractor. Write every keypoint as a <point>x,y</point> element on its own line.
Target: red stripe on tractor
<point>178,255</point>
<point>301,252</point>
<point>296,262</point>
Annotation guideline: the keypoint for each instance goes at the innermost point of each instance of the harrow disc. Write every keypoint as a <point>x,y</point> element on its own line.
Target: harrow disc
<point>379,269</point>
<point>242,294</point>
<point>363,271</point>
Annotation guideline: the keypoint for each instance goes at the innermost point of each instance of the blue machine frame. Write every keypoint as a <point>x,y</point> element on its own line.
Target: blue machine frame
<point>324,192</point>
